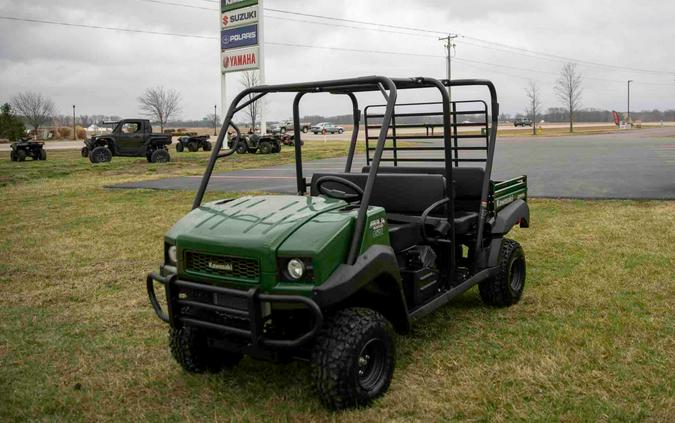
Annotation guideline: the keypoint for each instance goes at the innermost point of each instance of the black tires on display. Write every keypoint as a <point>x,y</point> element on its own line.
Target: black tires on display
<point>100,155</point>
<point>353,358</point>
<point>160,156</point>
<point>507,287</point>
<point>189,347</point>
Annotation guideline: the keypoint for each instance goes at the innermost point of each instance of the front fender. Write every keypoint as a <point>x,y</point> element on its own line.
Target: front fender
<point>515,213</point>
<point>375,271</point>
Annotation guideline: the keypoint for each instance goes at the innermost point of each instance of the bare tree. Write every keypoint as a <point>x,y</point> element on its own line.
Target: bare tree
<point>160,104</point>
<point>568,90</point>
<point>532,92</point>
<point>35,108</point>
<point>251,79</point>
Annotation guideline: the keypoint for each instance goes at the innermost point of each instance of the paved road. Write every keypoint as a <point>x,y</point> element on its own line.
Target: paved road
<point>639,165</point>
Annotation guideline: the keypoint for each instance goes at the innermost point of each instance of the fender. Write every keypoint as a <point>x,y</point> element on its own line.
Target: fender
<point>375,271</point>
<point>515,213</point>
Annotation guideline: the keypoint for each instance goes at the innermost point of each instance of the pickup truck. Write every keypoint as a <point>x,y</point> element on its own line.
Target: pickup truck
<point>285,126</point>
<point>130,138</point>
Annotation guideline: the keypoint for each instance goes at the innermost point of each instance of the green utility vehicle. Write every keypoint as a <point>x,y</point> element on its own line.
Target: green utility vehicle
<point>329,274</point>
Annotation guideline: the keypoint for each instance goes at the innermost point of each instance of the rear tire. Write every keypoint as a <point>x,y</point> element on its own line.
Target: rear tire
<point>12,156</point>
<point>192,147</point>
<point>160,156</point>
<point>189,347</point>
<point>100,155</point>
<point>84,152</point>
<point>265,147</point>
<point>207,146</point>
<point>42,155</point>
<point>180,147</point>
<point>507,287</point>
<point>20,156</point>
<point>353,359</point>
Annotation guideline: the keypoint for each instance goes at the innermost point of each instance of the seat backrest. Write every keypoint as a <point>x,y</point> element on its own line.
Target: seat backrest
<point>396,193</point>
<point>468,182</point>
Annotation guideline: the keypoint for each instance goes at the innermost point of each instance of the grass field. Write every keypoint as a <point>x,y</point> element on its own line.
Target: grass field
<point>592,339</point>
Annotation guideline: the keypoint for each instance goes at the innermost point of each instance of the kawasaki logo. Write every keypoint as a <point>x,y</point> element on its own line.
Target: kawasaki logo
<point>227,267</point>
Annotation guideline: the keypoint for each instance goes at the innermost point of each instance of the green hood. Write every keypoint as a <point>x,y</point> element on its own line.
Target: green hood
<point>251,227</point>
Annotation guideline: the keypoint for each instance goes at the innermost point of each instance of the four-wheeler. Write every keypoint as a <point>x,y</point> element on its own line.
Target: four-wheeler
<point>330,273</point>
<point>285,126</point>
<point>522,122</point>
<point>130,138</point>
<point>193,143</point>
<point>26,147</point>
<point>254,143</point>
<point>326,128</point>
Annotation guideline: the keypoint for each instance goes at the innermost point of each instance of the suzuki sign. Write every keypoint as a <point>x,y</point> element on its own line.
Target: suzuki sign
<point>239,17</point>
<point>242,36</point>
<point>240,59</point>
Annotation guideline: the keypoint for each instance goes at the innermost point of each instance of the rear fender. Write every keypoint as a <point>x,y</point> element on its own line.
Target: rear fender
<point>516,213</point>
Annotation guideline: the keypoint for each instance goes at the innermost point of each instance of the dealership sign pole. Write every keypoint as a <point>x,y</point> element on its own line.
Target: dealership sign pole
<point>241,43</point>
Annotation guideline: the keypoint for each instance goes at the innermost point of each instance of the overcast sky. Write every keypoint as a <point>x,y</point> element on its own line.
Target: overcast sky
<point>103,72</point>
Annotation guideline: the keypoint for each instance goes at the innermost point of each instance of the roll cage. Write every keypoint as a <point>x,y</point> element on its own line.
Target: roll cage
<point>388,87</point>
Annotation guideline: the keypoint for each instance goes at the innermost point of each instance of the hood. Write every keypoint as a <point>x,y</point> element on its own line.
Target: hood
<point>247,227</point>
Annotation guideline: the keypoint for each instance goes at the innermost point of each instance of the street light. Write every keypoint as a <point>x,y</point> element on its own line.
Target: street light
<point>628,114</point>
<point>74,131</point>
<point>215,119</point>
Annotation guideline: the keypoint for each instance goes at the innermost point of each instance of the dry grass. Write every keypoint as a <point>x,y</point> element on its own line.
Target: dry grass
<point>592,339</point>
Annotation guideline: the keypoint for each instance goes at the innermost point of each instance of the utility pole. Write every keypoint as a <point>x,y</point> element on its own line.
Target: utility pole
<point>215,119</point>
<point>628,117</point>
<point>449,45</point>
<point>74,131</point>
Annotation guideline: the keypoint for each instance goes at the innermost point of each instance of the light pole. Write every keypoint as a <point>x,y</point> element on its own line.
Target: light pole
<point>628,114</point>
<point>74,131</point>
<point>449,46</point>
<point>215,119</point>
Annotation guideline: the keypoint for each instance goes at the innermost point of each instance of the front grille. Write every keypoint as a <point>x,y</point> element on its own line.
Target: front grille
<point>222,266</point>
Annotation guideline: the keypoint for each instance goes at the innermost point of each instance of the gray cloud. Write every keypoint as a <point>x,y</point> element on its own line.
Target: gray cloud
<point>103,71</point>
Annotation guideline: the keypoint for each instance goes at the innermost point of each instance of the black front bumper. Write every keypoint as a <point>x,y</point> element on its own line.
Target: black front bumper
<point>253,314</point>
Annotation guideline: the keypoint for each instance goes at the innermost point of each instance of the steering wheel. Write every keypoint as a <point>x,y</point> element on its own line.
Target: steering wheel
<point>336,193</point>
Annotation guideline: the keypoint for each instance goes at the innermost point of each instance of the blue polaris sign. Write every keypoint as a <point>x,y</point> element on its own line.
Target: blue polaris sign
<point>239,37</point>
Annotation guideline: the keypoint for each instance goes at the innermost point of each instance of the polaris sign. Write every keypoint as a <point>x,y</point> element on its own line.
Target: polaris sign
<point>239,17</point>
<point>242,36</point>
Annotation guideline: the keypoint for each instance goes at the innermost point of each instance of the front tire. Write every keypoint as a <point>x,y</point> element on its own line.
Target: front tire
<point>507,287</point>
<point>265,147</point>
<point>192,147</point>
<point>20,156</point>
<point>12,156</point>
<point>189,347</point>
<point>180,147</point>
<point>207,146</point>
<point>242,148</point>
<point>42,155</point>
<point>353,359</point>
<point>100,155</point>
<point>84,152</point>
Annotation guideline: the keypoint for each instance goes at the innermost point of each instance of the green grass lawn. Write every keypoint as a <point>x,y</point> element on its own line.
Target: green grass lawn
<point>592,339</point>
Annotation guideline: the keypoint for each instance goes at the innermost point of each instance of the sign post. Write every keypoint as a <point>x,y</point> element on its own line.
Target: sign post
<point>241,43</point>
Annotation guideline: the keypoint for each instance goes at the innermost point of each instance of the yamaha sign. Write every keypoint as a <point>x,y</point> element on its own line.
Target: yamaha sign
<point>240,59</point>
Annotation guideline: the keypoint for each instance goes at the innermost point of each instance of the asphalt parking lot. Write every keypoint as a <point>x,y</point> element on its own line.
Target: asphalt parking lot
<point>624,165</point>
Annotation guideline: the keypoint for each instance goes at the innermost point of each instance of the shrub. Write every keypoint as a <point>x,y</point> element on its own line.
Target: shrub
<point>65,132</point>
<point>81,133</point>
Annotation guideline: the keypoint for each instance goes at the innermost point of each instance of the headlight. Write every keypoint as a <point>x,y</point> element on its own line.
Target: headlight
<point>295,269</point>
<point>173,255</point>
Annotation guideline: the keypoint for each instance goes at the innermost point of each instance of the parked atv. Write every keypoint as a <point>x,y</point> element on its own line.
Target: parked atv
<point>26,147</point>
<point>130,138</point>
<point>254,143</point>
<point>193,143</point>
<point>330,274</point>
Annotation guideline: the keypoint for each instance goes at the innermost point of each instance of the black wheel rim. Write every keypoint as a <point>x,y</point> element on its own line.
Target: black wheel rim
<point>517,272</point>
<point>370,365</point>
